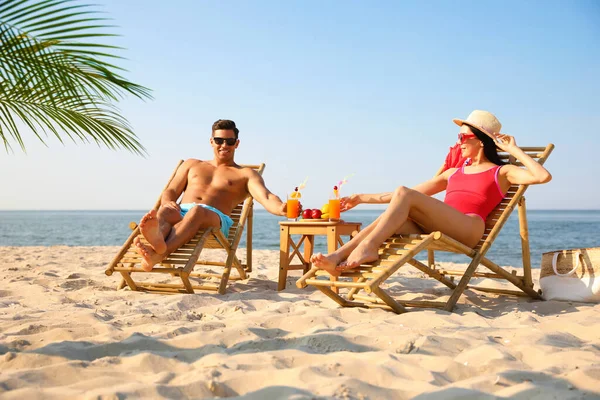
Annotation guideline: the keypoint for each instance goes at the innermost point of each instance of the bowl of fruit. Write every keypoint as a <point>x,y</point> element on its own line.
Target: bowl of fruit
<point>315,214</point>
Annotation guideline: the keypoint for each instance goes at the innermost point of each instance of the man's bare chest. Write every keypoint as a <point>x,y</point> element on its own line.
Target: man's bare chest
<point>208,178</point>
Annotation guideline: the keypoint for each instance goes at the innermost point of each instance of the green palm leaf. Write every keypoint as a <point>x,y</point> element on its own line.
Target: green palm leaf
<point>56,79</point>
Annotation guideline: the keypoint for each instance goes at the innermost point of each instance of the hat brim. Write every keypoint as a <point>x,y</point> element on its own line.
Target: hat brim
<point>460,122</point>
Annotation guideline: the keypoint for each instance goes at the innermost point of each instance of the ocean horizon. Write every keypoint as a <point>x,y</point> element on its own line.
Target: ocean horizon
<point>548,229</point>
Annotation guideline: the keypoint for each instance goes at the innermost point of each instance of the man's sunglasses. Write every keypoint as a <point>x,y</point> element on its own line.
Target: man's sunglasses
<point>462,137</point>
<point>221,140</point>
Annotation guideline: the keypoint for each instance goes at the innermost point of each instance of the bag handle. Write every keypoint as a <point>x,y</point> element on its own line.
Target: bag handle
<point>555,258</point>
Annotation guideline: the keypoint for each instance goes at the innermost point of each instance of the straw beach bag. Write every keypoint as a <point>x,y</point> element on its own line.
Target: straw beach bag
<point>571,275</point>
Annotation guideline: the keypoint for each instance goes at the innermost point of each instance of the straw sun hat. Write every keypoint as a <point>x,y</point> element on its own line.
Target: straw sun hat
<point>485,121</point>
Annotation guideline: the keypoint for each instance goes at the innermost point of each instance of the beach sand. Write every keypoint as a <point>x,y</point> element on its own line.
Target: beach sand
<point>67,334</point>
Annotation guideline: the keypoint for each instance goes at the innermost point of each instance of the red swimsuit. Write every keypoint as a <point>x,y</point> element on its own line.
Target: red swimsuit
<point>477,193</point>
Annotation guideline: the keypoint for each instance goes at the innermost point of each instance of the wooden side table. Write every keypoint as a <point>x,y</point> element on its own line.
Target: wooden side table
<point>332,229</point>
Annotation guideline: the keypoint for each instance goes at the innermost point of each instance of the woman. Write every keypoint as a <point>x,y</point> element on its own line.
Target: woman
<point>472,192</point>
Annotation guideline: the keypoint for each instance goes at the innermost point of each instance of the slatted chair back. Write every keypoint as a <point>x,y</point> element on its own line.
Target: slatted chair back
<point>498,217</point>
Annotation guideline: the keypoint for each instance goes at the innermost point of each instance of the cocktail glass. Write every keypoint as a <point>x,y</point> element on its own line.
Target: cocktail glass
<point>334,209</point>
<point>293,209</point>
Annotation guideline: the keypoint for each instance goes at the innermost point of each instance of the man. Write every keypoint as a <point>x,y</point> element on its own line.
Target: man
<point>212,190</point>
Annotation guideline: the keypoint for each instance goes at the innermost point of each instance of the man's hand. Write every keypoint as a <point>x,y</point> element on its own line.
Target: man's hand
<point>172,205</point>
<point>283,209</point>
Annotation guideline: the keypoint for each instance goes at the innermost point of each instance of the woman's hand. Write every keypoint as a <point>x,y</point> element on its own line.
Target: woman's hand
<point>347,203</point>
<point>533,173</point>
<point>505,142</point>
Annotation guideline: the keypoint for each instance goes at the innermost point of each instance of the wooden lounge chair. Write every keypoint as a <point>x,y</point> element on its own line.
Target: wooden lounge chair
<point>182,262</point>
<point>400,250</point>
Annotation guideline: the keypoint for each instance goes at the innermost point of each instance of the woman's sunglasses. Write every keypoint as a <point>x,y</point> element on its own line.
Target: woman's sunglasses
<point>221,140</point>
<point>463,137</point>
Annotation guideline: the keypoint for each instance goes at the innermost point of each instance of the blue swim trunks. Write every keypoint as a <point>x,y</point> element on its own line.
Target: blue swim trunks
<point>226,221</point>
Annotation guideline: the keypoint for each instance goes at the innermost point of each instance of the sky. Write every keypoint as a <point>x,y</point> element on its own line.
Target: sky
<point>324,89</point>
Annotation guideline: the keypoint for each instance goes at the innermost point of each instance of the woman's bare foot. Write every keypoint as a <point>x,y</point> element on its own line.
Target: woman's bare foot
<point>327,262</point>
<point>151,258</point>
<point>360,255</point>
<point>150,229</point>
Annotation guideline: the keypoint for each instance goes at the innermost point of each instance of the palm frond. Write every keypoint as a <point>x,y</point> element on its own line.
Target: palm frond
<point>57,79</point>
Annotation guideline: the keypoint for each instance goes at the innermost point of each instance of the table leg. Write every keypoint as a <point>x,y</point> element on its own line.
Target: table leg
<point>332,238</point>
<point>284,255</point>
<point>309,245</point>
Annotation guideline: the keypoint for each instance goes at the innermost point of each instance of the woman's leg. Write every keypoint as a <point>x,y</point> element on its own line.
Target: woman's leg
<point>330,261</point>
<point>429,213</point>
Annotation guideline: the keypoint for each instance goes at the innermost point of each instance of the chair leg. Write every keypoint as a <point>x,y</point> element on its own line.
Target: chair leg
<point>185,278</point>
<point>127,278</point>
<point>226,273</point>
<point>524,231</point>
<point>239,267</point>
<point>517,281</point>
<point>123,282</point>
<point>389,300</point>
<point>432,272</point>
<point>354,291</point>
<point>333,296</point>
<point>464,282</point>
<point>249,239</point>
<point>431,259</point>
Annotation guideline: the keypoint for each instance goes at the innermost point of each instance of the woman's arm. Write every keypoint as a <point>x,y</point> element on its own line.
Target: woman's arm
<point>434,185</point>
<point>349,202</point>
<point>533,173</point>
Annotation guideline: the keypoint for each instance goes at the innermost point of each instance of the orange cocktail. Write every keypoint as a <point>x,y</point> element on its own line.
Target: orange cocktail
<point>334,205</point>
<point>293,205</point>
<point>293,208</point>
<point>334,209</point>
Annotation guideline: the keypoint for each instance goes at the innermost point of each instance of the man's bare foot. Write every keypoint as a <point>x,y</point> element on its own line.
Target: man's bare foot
<point>150,257</point>
<point>360,255</point>
<point>327,262</point>
<point>150,229</point>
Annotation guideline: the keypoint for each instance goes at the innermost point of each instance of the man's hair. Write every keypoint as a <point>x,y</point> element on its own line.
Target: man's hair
<point>225,124</point>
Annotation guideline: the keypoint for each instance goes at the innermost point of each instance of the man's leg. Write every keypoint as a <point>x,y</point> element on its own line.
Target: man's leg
<point>197,218</point>
<point>156,226</point>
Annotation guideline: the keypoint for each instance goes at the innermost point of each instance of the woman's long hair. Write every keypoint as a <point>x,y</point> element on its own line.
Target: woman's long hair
<point>489,146</point>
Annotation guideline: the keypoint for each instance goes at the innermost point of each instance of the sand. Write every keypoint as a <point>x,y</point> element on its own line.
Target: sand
<point>67,334</point>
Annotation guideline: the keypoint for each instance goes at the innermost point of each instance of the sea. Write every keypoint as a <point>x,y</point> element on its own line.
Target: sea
<point>548,229</point>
